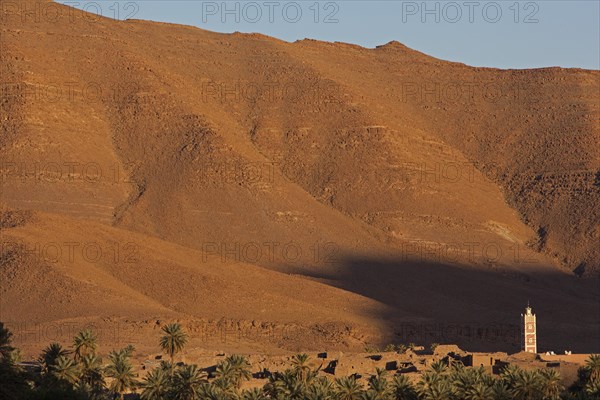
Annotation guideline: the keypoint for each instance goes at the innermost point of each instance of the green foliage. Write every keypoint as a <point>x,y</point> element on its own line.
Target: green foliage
<point>156,385</point>
<point>231,373</point>
<point>5,342</point>
<point>254,394</point>
<point>592,389</point>
<point>12,379</point>
<point>65,371</point>
<point>50,354</point>
<point>121,372</point>
<point>348,388</point>
<point>84,343</point>
<point>438,367</point>
<point>188,383</point>
<point>80,375</point>
<point>551,386</point>
<point>300,365</point>
<point>434,386</point>
<point>91,371</point>
<point>403,389</point>
<point>389,348</point>
<point>379,387</point>
<point>371,349</point>
<point>173,339</point>
<point>593,367</point>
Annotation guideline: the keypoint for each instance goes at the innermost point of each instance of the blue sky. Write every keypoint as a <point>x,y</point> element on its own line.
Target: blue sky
<point>502,34</point>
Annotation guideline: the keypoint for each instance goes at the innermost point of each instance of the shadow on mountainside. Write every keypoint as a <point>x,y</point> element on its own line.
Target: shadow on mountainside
<point>477,309</point>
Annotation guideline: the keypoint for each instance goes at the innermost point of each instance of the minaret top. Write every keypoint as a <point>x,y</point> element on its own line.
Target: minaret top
<point>528,310</point>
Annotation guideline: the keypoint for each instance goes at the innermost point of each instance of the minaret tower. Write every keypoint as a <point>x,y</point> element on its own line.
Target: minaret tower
<point>529,331</point>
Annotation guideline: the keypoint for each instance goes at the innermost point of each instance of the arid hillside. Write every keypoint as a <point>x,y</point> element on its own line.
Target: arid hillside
<point>156,171</point>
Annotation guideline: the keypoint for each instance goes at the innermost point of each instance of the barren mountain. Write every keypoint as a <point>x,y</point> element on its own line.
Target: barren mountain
<point>153,171</point>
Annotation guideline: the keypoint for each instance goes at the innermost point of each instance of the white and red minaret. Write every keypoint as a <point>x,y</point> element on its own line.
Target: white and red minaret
<point>529,331</point>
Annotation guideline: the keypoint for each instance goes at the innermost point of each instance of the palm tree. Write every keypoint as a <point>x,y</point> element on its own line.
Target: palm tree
<point>188,382</point>
<point>401,348</point>
<point>14,358</point>
<point>91,371</point>
<point>500,391</point>
<point>470,382</point>
<point>14,384</point>
<point>173,340</point>
<point>231,372</point>
<point>226,376</point>
<point>403,389</point>
<point>593,366</point>
<point>65,370</point>
<point>211,392</point>
<point>84,343</point>
<point>527,385</point>
<point>85,391</point>
<point>510,374</point>
<point>592,389</point>
<point>300,366</point>
<point>371,395</point>
<point>121,372</point>
<point>254,394</point>
<point>434,386</point>
<point>439,367</point>
<point>479,391</point>
<point>128,350</point>
<point>226,379</point>
<point>155,385</point>
<point>550,384</point>
<point>314,392</point>
<point>378,385</point>
<point>347,388</point>
<point>321,388</point>
<point>285,385</point>
<point>50,354</point>
<point>5,340</point>
<point>241,368</point>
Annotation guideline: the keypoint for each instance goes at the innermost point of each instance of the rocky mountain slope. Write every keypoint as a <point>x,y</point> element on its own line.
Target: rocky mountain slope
<point>247,178</point>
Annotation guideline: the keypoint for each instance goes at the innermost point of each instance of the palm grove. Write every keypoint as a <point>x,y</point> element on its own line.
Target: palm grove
<point>79,373</point>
